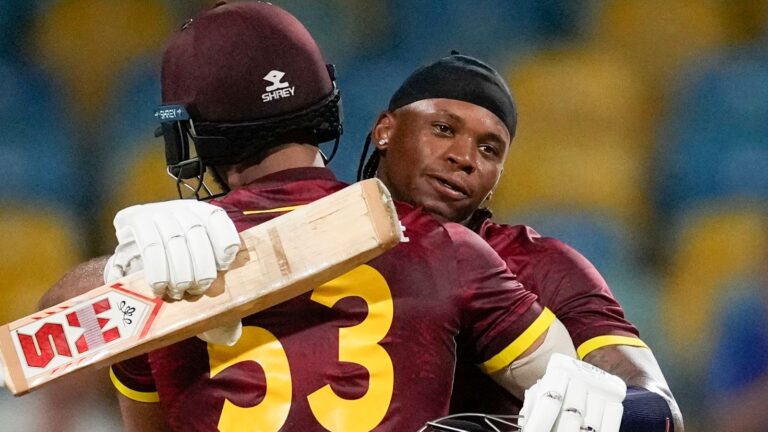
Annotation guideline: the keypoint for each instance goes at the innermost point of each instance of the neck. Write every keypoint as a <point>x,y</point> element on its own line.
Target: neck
<point>283,157</point>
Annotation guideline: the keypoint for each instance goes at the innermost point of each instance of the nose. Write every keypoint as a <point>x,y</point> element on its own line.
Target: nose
<point>462,154</point>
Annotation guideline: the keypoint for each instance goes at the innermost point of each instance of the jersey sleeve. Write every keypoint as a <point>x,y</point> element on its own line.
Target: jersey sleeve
<point>133,379</point>
<point>501,319</point>
<point>573,288</point>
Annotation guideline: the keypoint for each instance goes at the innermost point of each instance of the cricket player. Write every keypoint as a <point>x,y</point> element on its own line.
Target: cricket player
<point>373,350</point>
<point>454,144</point>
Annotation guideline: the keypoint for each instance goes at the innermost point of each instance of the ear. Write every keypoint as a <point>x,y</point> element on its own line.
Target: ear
<point>487,198</point>
<point>382,130</point>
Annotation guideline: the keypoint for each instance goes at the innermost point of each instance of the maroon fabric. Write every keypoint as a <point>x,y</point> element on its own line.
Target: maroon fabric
<point>565,282</point>
<point>443,282</point>
<point>201,64</point>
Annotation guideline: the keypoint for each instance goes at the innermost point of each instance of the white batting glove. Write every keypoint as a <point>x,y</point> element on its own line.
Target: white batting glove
<point>573,396</point>
<point>179,244</point>
<point>224,335</point>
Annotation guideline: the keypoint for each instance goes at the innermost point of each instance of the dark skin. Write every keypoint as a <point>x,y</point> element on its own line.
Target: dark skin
<point>447,156</point>
<point>137,416</point>
<point>144,417</point>
<point>148,417</point>
<point>455,161</point>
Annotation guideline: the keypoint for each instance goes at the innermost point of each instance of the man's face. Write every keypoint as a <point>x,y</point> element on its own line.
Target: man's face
<point>442,154</point>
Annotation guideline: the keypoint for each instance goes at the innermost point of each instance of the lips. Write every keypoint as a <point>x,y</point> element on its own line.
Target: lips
<point>451,187</point>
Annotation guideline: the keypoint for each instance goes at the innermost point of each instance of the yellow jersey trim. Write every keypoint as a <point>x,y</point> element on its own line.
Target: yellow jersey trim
<point>519,345</point>
<point>147,397</point>
<point>607,340</point>
<point>274,210</point>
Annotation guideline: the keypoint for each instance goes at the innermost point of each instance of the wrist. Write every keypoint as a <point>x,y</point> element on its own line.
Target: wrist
<point>645,411</point>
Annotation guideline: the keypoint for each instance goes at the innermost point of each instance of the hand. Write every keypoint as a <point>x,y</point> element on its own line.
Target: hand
<point>179,244</point>
<point>573,396</point>
<point>2,374</point>
<point>224,335</point>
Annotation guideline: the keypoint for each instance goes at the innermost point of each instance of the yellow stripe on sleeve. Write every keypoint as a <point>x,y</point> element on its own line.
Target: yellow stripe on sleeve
<point>274,210</point>
<point>602,341</point>
<point>519,345</point>
<point>148,397</point>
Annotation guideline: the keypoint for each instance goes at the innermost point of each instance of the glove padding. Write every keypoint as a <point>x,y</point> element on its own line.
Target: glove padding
<point>179,244</point>
<point>573,396</point>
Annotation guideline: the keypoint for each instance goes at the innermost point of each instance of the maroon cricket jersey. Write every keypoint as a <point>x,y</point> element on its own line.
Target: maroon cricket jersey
<point>566,283</point>
<point>374,349</point>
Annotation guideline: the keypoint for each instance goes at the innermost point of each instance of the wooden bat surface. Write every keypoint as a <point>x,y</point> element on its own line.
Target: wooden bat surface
<point>281,259</point>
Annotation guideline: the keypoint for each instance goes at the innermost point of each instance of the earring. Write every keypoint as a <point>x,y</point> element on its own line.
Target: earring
<point>383,141</point>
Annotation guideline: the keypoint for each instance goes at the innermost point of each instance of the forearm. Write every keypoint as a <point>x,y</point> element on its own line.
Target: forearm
<point>141,417</point>
<point>638,368</point>
<point>83,278</point>
<point>523,372</point>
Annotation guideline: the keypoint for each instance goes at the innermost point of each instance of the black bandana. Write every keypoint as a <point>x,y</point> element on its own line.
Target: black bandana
<point>461,78</point>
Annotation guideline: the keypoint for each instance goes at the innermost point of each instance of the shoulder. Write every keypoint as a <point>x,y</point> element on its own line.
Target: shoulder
<point>511,241</point>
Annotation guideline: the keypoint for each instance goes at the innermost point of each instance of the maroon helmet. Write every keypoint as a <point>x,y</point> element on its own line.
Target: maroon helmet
<point>241,78</point>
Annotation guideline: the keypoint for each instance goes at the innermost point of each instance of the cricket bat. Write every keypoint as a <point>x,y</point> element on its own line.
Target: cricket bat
<point>279,259</point>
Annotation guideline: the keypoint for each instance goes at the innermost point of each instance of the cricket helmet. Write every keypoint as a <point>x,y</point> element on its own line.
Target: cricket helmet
<point>239,79</point>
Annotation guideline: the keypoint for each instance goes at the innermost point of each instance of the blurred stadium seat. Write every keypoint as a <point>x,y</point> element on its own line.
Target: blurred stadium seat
<point>710,245</point>
<point>132,168</point>
<point>15,16</point>
<point>87,43</point>
<point>746,20</point>
<point>132,102</point>
<point>37,153</point>
<point>579,89</point>
<point>40,244</point>
<point>365,89</point>
<point>657,37</point>
<point>738,369</point>
<point>582,138</point>
<point>141,178</point>
<point>715,142</point>
<point>424,29</point>
<point>600,171</point>
<point>344,29</point>
<point>741,335</point>
<point>711,248</point>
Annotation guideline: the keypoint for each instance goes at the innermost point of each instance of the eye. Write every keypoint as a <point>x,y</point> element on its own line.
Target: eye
<point>442,129</point>
<point>490,150</point>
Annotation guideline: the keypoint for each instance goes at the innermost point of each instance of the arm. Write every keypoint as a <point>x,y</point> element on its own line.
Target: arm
<point>140,416</point>
<point>84,277</point>
<point>574,289</point>
<point>637,367</point>
<point>523,373</point>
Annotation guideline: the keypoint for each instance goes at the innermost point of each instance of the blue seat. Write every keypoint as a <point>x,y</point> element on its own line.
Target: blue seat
<point>132,106</point>
<point>715,144</point>
<point>39,158</point>
<point>366,87</point>
<point>425,28</point>
<point>15,17</point>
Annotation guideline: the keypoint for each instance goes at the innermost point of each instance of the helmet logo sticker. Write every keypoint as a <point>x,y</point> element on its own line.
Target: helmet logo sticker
<point>278,89</point>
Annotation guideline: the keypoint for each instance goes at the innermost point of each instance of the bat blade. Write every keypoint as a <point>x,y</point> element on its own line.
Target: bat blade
<point>281,259</point>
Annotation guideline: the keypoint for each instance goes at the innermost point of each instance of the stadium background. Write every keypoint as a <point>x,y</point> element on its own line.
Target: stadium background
<point>643,142</point>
